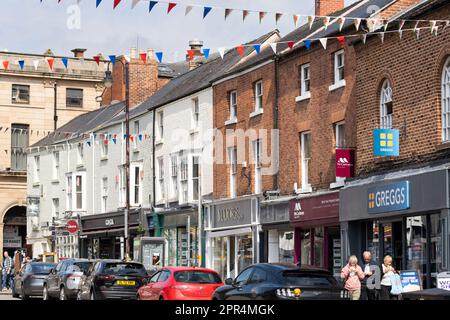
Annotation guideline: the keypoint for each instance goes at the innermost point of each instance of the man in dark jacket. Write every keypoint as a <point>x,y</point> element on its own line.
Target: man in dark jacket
<point>369,268</point>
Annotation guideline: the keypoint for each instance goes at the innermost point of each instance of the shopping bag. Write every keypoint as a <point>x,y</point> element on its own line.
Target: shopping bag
<point>396,282</point>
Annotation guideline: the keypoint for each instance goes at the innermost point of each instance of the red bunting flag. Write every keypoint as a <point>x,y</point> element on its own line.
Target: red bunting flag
<point>227,13</point>
<point>97,59</point>
<point>143,56</point>
<point>244,14</point>
<point>170,6</point>
<point>261,16</point>
<point>190,54</point>
<point>131,138</point>
<point>240,50</point>
<point>290,44</point>
<point>5,64</point>
<point>341,40</point>
<point>116,3</point>
<point>50,63</point>
<point>295,20</point>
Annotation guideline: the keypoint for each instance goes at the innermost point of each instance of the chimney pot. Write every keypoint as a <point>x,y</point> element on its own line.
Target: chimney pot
<point>133,52</point>
<point>78,52</point>
<point>150,54</point>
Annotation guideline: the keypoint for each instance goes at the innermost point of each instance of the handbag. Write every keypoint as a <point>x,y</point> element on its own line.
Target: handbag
<point>396,282</point>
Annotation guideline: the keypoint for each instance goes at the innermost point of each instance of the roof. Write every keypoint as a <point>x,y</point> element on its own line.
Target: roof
<point>172,70</point>
<point>359,9</point>
<point>422,7</point>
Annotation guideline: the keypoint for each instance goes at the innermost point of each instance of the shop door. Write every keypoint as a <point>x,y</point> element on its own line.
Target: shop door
<point>391,234</point>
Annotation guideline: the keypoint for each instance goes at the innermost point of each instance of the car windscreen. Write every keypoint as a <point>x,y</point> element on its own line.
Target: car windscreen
<point>41,268</point>
<point>296,278</point>
<point>123,268</point>
<point>197,277</point>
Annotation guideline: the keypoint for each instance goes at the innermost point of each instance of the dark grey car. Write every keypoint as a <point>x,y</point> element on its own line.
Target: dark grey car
<point>64,280</point>
<point>30,280</point>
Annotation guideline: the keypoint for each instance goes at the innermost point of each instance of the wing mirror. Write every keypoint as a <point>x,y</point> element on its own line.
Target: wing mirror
<point>229,281</point>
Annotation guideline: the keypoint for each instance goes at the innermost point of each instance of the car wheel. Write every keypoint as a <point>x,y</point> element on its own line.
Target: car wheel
<point>45,295</point>
<point>23,295</point>
<point>62,294</point>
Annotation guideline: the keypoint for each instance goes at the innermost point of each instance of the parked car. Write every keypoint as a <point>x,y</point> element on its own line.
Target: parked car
<point>63,282</point>
<point>267,281</point>
<point>112,279</point>
<point>30,279</point>
<point>180,283</point>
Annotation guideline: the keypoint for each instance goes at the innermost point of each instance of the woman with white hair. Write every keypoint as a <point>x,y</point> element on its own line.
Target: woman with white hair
<point>386,280</point>
<point>352,275</point>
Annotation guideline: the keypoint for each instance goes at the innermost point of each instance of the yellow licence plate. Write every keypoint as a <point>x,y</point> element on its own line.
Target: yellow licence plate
<point>126,283</point>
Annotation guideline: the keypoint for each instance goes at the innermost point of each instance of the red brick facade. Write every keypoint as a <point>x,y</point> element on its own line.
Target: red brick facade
<point>414,68</point>
<point>325,7</point>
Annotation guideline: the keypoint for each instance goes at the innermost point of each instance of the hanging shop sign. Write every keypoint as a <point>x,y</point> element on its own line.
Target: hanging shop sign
<point>386,142</point>
<point>345,163</point>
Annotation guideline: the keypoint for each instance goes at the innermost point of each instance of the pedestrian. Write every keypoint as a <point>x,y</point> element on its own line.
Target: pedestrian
<point>369,268</point>
<point>6,271</point>
<point>352,275</point>
<point>388,271</point>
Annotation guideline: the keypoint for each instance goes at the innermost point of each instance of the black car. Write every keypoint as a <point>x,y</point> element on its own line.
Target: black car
<point>112,279</point>
<point>63,281</point>
<point>268,281</point>
<point>30,280</point>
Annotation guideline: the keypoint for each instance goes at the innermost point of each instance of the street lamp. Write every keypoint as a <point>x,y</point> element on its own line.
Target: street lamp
<point>108,82</point>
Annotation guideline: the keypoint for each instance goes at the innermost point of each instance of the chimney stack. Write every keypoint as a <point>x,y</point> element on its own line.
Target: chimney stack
<point>196,46</point>
<point>326,7</point>
<point>150,54</point>
<point>133,53</point>
<point>78,52</point>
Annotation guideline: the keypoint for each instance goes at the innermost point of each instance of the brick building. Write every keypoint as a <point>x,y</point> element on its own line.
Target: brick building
<point>398,205</point>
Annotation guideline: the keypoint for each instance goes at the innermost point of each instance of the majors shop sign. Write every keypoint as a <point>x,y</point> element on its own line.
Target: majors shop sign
<point>387,198</point>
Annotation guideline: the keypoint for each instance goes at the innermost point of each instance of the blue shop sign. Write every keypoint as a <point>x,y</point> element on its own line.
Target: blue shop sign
<point>386,142</point>
<point>391,197</point>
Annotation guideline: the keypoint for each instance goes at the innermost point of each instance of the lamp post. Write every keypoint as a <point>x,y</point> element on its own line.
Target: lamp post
<point>108,82</point>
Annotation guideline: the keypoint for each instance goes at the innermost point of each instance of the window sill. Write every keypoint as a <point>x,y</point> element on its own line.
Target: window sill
<point>231,121</point>
<point>80,166</point>
<point>337,184</point>
<point>256,113</point>
<point>337,85</point>
<point>55,181</point>
<point>303,97</point>
<point>306,189</point>
<point>159,142</point>
<point>135,150</point>
<point>443,145</point>
<point>74,108</point>
<point>36,184</point>
<point>193,131</point>
<point>104,158</point>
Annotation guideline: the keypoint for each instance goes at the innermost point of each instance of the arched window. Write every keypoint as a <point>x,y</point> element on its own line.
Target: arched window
<point>386,105</point>
<point>446,102</point>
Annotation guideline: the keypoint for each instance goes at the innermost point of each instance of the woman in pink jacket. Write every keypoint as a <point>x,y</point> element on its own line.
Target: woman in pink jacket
<point>352,275</point>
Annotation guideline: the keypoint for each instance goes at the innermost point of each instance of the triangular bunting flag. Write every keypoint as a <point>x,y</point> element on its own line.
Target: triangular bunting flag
<point>417,31</point>
<point>311,21</point>
<point>401,24</point>
<point>140,137</point>
<point>50,62</point>
<point>382,37</point>
<point>341,40</point>
<point>5,64</point>
<point>131,138</point>
<point>341,23</point>
<point>433,24</point>
<point>262,14</point>
<point>324,41</point>
<point>274,47</point>
<point>257,48</point>
<point>112,58</point>
<point>240,50</point>
<point>306,42</point>
<point>227,13</point>
<point>21,64</point>
<point>97,59</point>
<point>65,61</point>
<point>206,10</point>
<point>190,54</point>
<point>159,55</point>
<point>221,52</point>
<point>36,64</point>
<point>170,6</point>
<point>143,57</point>
<point>295,17</point>
<point>400,33</point>
<point>134,3</point>
<point>435,30</point>
<point>386,25</point>
<point>187,10</point>
<point>278,17</point>
<point>98,3</point>
<point>206,53</point>
<point>364,38</point>
<point>116,3</point>
<point>151,5</point>
<point>357,22</point>
<point>326,22</point>
<point>244,14</point>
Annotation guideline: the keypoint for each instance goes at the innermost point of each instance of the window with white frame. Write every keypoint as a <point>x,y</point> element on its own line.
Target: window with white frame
<point>386,105</point>
<point>195,178</point>
<point>232,155</point>
<point>161,124</point>
<point>137,132</point>
<point>257,154</point>
<point>104,146</point>
<point>56,165</point>
<point>195,112</point>
<point>184,179</point>
<point>80,192</point>
<point>122,187</point>
<point>340,134</point>
<point>174,174</point>
<point>55,208</point>
<point>304,81</point>
<point>161,178</point>
<point>136,187</point>
<point>258,91</point>
<point>104,194</point>
<point>80,153</point>
<point>69,193</point>
<point>233,104</point>
<point>305,145</point>
<point>19,141</point>
<point>37,169</point>
<point>446,102</point>
<point>339,67</point>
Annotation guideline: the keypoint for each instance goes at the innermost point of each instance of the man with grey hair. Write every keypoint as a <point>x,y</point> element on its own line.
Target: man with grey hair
<point>369,267</point>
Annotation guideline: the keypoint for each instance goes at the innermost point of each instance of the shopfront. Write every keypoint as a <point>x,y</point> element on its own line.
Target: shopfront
<point>232,235</point>
<point>102,235</point>
<point>277,238</point>
<point>404,215</point>
<point>179,228</point>
<point>317,234</point>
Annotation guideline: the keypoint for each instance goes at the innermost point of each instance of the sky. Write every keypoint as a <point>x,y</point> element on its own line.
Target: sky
<point>33,27</point>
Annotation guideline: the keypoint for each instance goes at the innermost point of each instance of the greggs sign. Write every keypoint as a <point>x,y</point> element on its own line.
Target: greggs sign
<point>392,197</point>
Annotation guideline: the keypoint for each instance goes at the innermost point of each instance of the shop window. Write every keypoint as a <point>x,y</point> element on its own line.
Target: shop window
<point>171,236</point>
<point>446,102</point>
<point>286,246</point>
<point>305,250</point>
<point>318,247</point>
<point>220,256</point>
<point>386,105</point>
<point>244,251</point>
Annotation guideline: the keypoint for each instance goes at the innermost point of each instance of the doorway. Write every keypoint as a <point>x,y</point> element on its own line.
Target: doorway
<point>15,230</point>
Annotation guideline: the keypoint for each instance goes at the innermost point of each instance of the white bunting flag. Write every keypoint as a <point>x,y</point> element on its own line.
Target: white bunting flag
<point>433,24</point>
<point>372,24</point>
<point>382,37</point>
<point>402,23</point>
<point>364,38</point>
<point>357,23</point>
<point>341,23</point>
<point>221,52</point>
<point>400,33</point>
<point>417,31</point>
<point>274,47</point>
<point>36,64</point>
<point>323,41</point>
<point>188,9</point>
<point>311,21</point>
<point>417,25</point>
<point>386,25</point>
<point>134,3</point>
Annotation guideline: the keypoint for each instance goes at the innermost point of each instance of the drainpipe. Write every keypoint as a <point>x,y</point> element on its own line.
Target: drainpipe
<point>55,112</point>
<point>157,232</point>
<point>275,111</point>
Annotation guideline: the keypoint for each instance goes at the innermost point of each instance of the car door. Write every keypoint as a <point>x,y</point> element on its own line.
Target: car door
<point>84,286</point>
<point>254,289</point>
<point>18,279</point>
<point>160,284</point>
<point>146,292</point>
<point>239,289</point>
<point>52,279</point>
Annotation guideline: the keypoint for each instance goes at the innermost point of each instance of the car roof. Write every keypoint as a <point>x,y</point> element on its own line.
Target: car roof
<point>41,263</point>
<point>174,269</point>
<point>117,261</point>
<point>290,266</point>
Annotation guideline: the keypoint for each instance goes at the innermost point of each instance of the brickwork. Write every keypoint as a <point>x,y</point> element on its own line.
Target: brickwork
<point>325,7</point>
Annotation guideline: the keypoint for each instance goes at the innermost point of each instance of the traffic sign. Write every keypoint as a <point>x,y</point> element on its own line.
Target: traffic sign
<point>72,226</point>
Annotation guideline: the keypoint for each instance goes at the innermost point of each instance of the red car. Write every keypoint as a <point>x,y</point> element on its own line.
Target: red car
<point>181,283</point>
